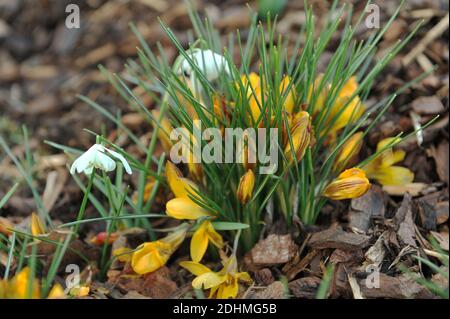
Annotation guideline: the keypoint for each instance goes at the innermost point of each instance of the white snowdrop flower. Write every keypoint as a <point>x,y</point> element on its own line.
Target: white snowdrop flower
<point>209,63</point>
<point>98,156</point>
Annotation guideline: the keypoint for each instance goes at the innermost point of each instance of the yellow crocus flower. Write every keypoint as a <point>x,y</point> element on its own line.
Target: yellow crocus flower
<point>151,256</point>
<point>253,85</point>
<point>202,236</point>
<point>248,156</point>
<point>81,291</point>
<point>57,292</point>
<point>164,130</point>
<point>147,191</point>
<point>37,226</point>
<point>246,185</point>
<point>348,152</point>
<point>322,91</point>
<point>289,102</point>
<point>223,284</point>
<point>184,208</point>
<point>180,186</point>
<point>3,288</point>
<point>382,168</point>
<point>351,183</point>
<point>195,170</point>
<point>349,111</point>
<point>123,254</point>
<point>352,109</point>
<point>301,134</point>
<point>255,94</point>
<point>18,287</point>
<point>185,101</point>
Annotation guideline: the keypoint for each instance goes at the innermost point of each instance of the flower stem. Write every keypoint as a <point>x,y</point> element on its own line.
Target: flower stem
<point>84,202</point>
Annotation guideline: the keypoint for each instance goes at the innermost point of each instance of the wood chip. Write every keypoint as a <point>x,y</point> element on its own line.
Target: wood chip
<point>301,263</point>
<point>364,208</point>
<point>401,287</point>
<point>375,254</point>
<point>264,276</point>
<point>440,155</point>
<point>305,287</point>
<point>274,250</point>
<point>275,290</point>
<point>335,237</point>
<point>428,105</point>
<point>405,222</point>
<point>348,257</point>
<point>156,285</point>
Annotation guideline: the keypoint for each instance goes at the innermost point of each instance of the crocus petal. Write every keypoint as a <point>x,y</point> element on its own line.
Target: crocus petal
<point>399,155</point>
<point>229,290</point>
<point>37,226</point>
<point>353,110</point>
<point>246,185</point>
<point>214,236</point>
<point>348,152</point>
<point>213,291</point>
<point>290,94</point>
<point>123,254</point>
<point>57,292</point>
<point>199,243</point>
<point>195,268</point>
<point>184,208</point>
<point>122,159</point>
<point>208,280</point>
<point>244,276</point>
<point>301,136</point>
<point>349,87</point>
<point>351,183</point>
<point>181,187</point>
<point>318,94</point>
<point>18,288</point>
<point>388,157</point>
<point>252,84</point>
<point>149,257</point>
<point>392,176</point>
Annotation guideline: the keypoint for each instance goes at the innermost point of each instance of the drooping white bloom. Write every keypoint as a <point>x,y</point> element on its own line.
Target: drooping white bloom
<point>98,156</point>
<point>209,63</point>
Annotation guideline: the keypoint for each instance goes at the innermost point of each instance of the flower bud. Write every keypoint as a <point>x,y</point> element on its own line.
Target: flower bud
<point>246,186</point>
<point>37,226</point>
<point>301,134</point>
<point>349,152</point>
<point>164,130</point>
<point>351,183</point>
